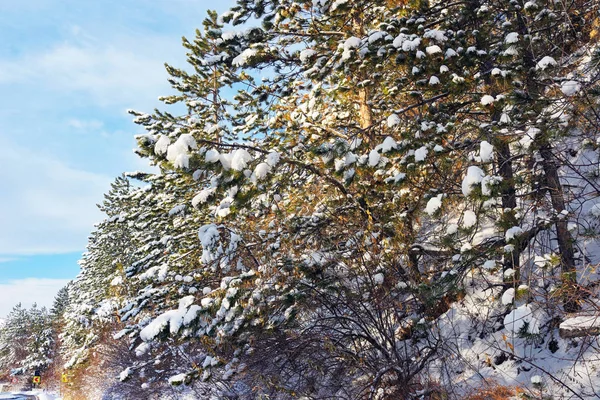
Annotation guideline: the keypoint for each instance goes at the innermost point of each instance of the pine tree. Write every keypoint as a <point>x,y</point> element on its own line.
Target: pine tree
<point>339,227</point>
<point>89,296</point>
<point>61,301</point>
<point>14,338</point>
<point>40,340</point>
<point>26,340</point>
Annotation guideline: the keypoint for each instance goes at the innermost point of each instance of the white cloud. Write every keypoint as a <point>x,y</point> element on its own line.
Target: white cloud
<point>46,206</point>
<point>85,125</point>
<point>102,61</point>
<point>126,71</point>
<point>28,291</point>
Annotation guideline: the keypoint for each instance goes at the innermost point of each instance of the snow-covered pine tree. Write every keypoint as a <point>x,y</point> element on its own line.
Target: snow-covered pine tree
<point>14,340</point>
<point>26,340</point>
<point>90,299</point>
<point>61,301</point>
<point>384,202</point>
<point>312,267</point>
<point>40,342</point>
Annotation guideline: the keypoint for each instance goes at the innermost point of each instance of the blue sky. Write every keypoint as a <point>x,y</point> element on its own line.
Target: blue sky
<point>68,71</point>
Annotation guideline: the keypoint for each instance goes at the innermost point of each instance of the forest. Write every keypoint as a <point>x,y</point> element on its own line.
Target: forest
<point>374,199</point>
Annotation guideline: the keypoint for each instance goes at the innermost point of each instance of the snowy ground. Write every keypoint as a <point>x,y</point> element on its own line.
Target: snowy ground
<point>15,396</point>
<point>32,395</point>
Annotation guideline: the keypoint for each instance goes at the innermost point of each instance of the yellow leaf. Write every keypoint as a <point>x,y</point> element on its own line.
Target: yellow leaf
<point>510,346</point>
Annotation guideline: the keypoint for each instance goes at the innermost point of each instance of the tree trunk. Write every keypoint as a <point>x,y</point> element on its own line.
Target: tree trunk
<point>366,114</point>
<point>509,201</point>
<point>508,192</point>
<point>565,241</point>
<point>552,179</point>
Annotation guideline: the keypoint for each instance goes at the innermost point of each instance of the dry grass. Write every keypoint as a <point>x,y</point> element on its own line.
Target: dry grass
<point>495,391</point>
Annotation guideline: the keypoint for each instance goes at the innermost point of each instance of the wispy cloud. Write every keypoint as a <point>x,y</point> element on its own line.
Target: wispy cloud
<point>71,68</point>
<point>49,207</point>
<point>128,71</point>
<point>28,291</point>
<point>49,193</point>
<point>85,125</point>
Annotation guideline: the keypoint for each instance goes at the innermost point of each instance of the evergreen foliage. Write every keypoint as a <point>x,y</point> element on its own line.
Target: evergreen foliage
<point>26,340</point>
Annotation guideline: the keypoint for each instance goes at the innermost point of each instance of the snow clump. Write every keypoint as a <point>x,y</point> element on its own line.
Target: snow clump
<point>486,151</point>
<point>487,100</point>
<point>469,219</point>
<point>570,88</point>
<point>595,210</point>
<point>306,55</point>
<point>177,153</point>
<point>273,158</point>
<point>512,233</point>
<point>434,204</point>
<point>161,145</point>
<point>508,296</point>
<point>393,120</point>
<point>350,43</point>
<point>388,144</point>
<point>202,197</point>
<point>546,62</point>
<point>473,177</point>
<point>126,373</point>
<point>260,172</point>
<point>521,317</point>
<point>511,38</point>
<point>433,49</point>
<point>211,156</point>
<point>374,158</point>
<point>421,153</point>
<point>240,159</point>
<point>177,379</point>
<point>243,58</point>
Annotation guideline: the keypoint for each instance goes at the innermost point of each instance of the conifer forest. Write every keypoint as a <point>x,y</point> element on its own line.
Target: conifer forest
<point>348,199</point>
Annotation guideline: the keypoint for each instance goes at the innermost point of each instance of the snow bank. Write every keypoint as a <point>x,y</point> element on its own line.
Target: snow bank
<point>583,325</point>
